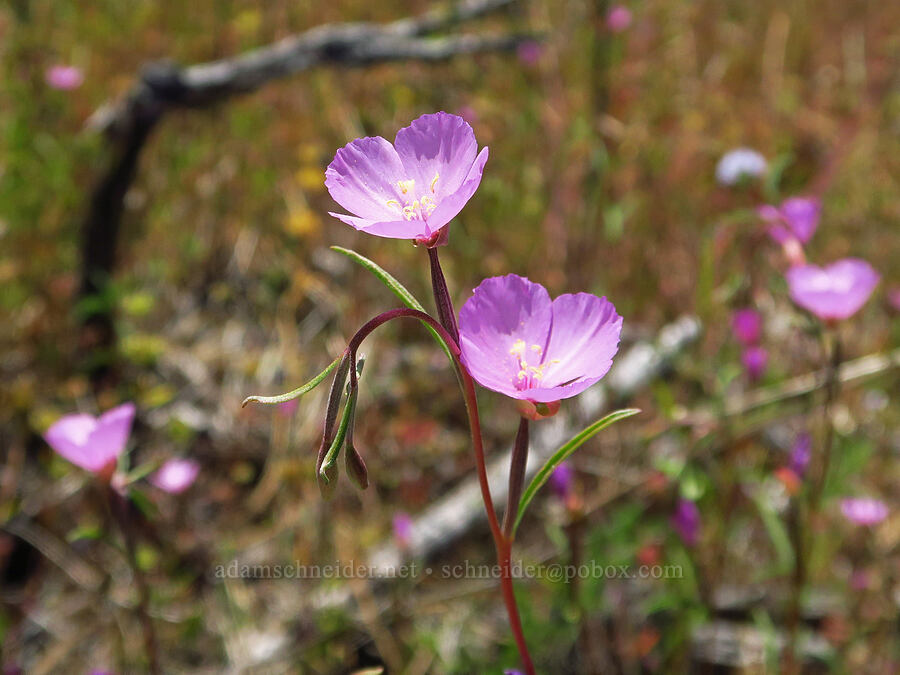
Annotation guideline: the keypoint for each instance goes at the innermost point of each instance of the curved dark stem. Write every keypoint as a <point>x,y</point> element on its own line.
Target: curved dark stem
<point>502,543</point>
<point>442,295</point>
<point>516,478</point>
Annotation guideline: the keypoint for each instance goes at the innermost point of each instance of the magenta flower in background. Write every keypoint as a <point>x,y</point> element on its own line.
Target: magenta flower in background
<point>755,359</point>
<point>64,78</point>
<point>176,475</point>
<point>93,443</point>
<point>288,408</point>
<point>747,326</point>
<point>686,522</point>
<point>796,218</point>
<point>740,163</point>
<point>403,527</point>
<point>529,52</point>
<point>515,341</point>
<point>413,188</point>
<point>561,480</point>
<point>801,454</point>
<point>864,510</point>
<point>618,18</point>
<point>837,291</point>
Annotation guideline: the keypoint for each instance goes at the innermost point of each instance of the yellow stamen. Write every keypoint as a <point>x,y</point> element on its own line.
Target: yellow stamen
<point>406,185</point>
<point>434,181</point>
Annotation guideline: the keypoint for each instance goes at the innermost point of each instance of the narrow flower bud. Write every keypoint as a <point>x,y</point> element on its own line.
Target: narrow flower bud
<point>331,411</point>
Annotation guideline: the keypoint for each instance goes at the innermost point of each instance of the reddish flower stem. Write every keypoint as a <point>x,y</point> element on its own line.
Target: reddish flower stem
<point>502,543</point>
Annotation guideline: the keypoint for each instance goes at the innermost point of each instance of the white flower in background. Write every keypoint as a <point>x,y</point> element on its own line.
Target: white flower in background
<point>738,163</point>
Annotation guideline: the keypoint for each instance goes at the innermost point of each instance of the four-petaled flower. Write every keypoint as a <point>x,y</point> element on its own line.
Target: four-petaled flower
<point>796,219</point>
<point>93,443</point>
<point>413,188</point>
<point>515,341</point>
<point>834,292</point>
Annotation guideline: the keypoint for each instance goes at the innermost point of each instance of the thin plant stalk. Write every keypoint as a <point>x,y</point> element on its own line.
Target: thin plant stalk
<point>502,543</point>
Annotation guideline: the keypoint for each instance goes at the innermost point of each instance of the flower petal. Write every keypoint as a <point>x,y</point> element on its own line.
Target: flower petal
<point>363,178</point>
<point>392,229</point>
<point>584,338</point>
<point>69,438</point>
<point>837,291</point>
<point>111,434</point>
<point>450,206</point>
<point>437,145</point>
<point>501,311</point>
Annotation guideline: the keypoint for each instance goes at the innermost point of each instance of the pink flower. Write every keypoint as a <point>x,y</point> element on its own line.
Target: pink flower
<point>755,360</point>
<point>515,341</point>
<point>796,218</point>
<point>618,18</point>
<point>864,510</point>
<point>686,522</point>
<point>64,78</point>
<point>801,454</point>
<point>403,528</point>
<point>529,52</point>
<point>738,164</point>
<point>288,408</point>
<point>176,475</point>
<point>834,292</point>
<point>413,188</point>
<point>561,480</point>
<point>93,443</point>
<point>747,326</point>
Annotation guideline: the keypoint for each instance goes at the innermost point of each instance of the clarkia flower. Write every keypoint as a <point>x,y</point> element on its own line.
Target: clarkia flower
<point>403,527</point>
<point>796,219</point>
<point>516,341</point>
<point>561,480</point>
<point>755,360</point>
<point>747,326</point>
<point>288,408</point>
<point>686,522</point>
<point>64,78</point>
<point>413,188</point>
<point>93,443</point>
<point>618,18</point>
<point>739,163</point>
<point>176,475</point>
<point>529,52</point>
<point>801,454</point>
<point>834,292</point>
<point>864,510</point>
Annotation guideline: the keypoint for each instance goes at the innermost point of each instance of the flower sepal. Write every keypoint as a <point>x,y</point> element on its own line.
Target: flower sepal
<point>535,411</point>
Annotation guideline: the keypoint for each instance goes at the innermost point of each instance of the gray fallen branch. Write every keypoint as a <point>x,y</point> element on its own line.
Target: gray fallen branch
<point>165,86</point>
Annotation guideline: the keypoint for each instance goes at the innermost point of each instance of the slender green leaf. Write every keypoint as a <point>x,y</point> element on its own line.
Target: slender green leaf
<point>396,288</point>
<point>778,534</point>
<point>334,451</point>
<point>564,452</point>
<point>291,395</point>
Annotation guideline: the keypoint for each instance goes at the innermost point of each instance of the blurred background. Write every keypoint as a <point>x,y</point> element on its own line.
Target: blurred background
<point>604,132</point>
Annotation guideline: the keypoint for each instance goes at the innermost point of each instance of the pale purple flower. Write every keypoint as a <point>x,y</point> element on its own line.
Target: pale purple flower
<point>413,188</point>
<point>515,341</point>
<point>176,475</point>
<point>864,510</point>
<point>513,672</point>
<point>755,359</point>
<point>686,522</point>
<point>529,52</point>
<point>618,18</point>
<point>64,78</point>
<point>747,326</point>
<point>561,480</point>
<point>403,528</point>
<point>738,163</point>
<point>288,408</point>
<point>860,580</point>
<point>796,218</point>
<point>93,443</point>
<point>801,454</point>
<point>837,291</point>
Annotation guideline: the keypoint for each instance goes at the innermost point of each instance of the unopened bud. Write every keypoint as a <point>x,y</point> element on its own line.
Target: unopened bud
<point>356,468</point>
<point>537,411</point>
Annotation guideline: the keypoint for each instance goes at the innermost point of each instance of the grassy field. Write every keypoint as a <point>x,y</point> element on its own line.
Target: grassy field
<point>601,178</point>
